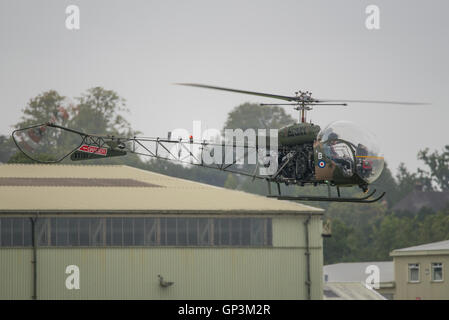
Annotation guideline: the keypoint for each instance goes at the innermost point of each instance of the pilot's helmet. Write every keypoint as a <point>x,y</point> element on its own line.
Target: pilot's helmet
<point>332,136</point>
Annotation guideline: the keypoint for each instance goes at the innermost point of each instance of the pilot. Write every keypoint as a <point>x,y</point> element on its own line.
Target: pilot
<point>344,163</point>
<point>361,150</point>
<point>329,146</point>
<point>365,165</point>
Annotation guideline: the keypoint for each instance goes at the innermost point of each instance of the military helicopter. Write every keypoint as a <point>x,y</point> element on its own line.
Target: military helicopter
<point>339,155</point>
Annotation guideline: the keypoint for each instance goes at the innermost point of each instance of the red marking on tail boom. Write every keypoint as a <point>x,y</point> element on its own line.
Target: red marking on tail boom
<point>93,149</point>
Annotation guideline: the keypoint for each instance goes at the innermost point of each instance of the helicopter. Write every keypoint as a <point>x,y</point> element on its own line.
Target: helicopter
<point>339,155</point>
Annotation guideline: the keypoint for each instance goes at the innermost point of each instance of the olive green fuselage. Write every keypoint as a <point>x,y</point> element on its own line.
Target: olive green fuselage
<point>301,139</point>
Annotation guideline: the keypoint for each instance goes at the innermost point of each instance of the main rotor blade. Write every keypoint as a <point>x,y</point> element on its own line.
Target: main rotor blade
<point>298,99</point>
<point>308,103</point>
<point>377,101</point>
<point>267,95</point>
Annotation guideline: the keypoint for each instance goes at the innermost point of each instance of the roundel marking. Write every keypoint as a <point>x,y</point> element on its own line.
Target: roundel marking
<point>321,164</point>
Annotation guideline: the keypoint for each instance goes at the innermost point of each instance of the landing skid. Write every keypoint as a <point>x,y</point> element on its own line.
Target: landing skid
<point>336,199</point>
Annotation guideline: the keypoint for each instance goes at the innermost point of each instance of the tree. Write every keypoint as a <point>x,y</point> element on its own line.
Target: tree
<point>434,177</point>
<point>358,215</point>
<point>407,181</point>
<point>194,173</point>
<point>387,183</point>
<point>19,157</point>
<point>342,245</point>
<point>254,116</point>
<point>101,111</point>
<point>434,227</point>
<point>41,109</point>
<point>392,233</point>
<point>7,148</point>
<point>438,167</point>
<point>98,111</point>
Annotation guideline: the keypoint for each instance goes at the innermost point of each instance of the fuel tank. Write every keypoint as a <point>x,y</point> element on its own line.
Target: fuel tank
<point>298,133</point>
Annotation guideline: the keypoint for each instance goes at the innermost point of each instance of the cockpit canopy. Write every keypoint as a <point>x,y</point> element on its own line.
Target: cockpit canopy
<point>353,149</point>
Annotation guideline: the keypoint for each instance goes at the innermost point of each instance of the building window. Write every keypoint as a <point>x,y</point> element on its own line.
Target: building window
<point>437,271</point>
<point>43,232</point>
<point>137,231</point>
<point>413,272</point>
<point>15,232</point>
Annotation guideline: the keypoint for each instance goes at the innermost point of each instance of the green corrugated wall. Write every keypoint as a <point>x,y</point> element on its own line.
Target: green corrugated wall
<point>277,272</point>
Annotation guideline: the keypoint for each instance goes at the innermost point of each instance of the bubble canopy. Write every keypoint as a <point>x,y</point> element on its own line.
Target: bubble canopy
<point>353,148</point>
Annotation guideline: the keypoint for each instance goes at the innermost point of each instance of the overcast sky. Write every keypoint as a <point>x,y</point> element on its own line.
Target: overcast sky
<point>139,48</point>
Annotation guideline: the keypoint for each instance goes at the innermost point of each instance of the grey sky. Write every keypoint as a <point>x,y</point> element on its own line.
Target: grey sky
<point>139,48</point>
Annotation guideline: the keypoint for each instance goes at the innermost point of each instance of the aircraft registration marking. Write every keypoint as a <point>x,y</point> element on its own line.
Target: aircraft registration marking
<point>93,149</point>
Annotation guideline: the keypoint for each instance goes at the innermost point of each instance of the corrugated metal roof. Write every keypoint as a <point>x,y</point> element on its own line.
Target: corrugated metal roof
<point>355,271</point>
<point>73,182</point>
<point>175,195</point>
<point>440,245</point>
<point>349,291</point>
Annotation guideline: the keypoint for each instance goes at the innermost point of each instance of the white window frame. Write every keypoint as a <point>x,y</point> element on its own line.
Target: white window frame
<point>409,273</point>
<point>432,265</point>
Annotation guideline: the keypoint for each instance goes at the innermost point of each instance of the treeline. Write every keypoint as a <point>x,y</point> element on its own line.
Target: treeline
<point>382,232</point>
<point>360,232</point>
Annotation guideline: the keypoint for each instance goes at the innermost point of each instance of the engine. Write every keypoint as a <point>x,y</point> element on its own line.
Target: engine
<point>296,163</point>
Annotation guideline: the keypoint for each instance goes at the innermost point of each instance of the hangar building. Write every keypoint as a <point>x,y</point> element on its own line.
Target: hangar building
<point>117,232</point>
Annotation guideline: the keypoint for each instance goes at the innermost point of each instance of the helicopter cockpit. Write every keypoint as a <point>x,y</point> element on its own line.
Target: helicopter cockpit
<point>353,149</point>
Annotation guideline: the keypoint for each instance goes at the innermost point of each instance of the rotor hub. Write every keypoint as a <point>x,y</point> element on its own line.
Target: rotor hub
<point>304,99</point>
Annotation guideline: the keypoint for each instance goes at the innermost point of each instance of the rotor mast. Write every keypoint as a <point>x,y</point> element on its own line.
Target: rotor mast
<point>303,97</point>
